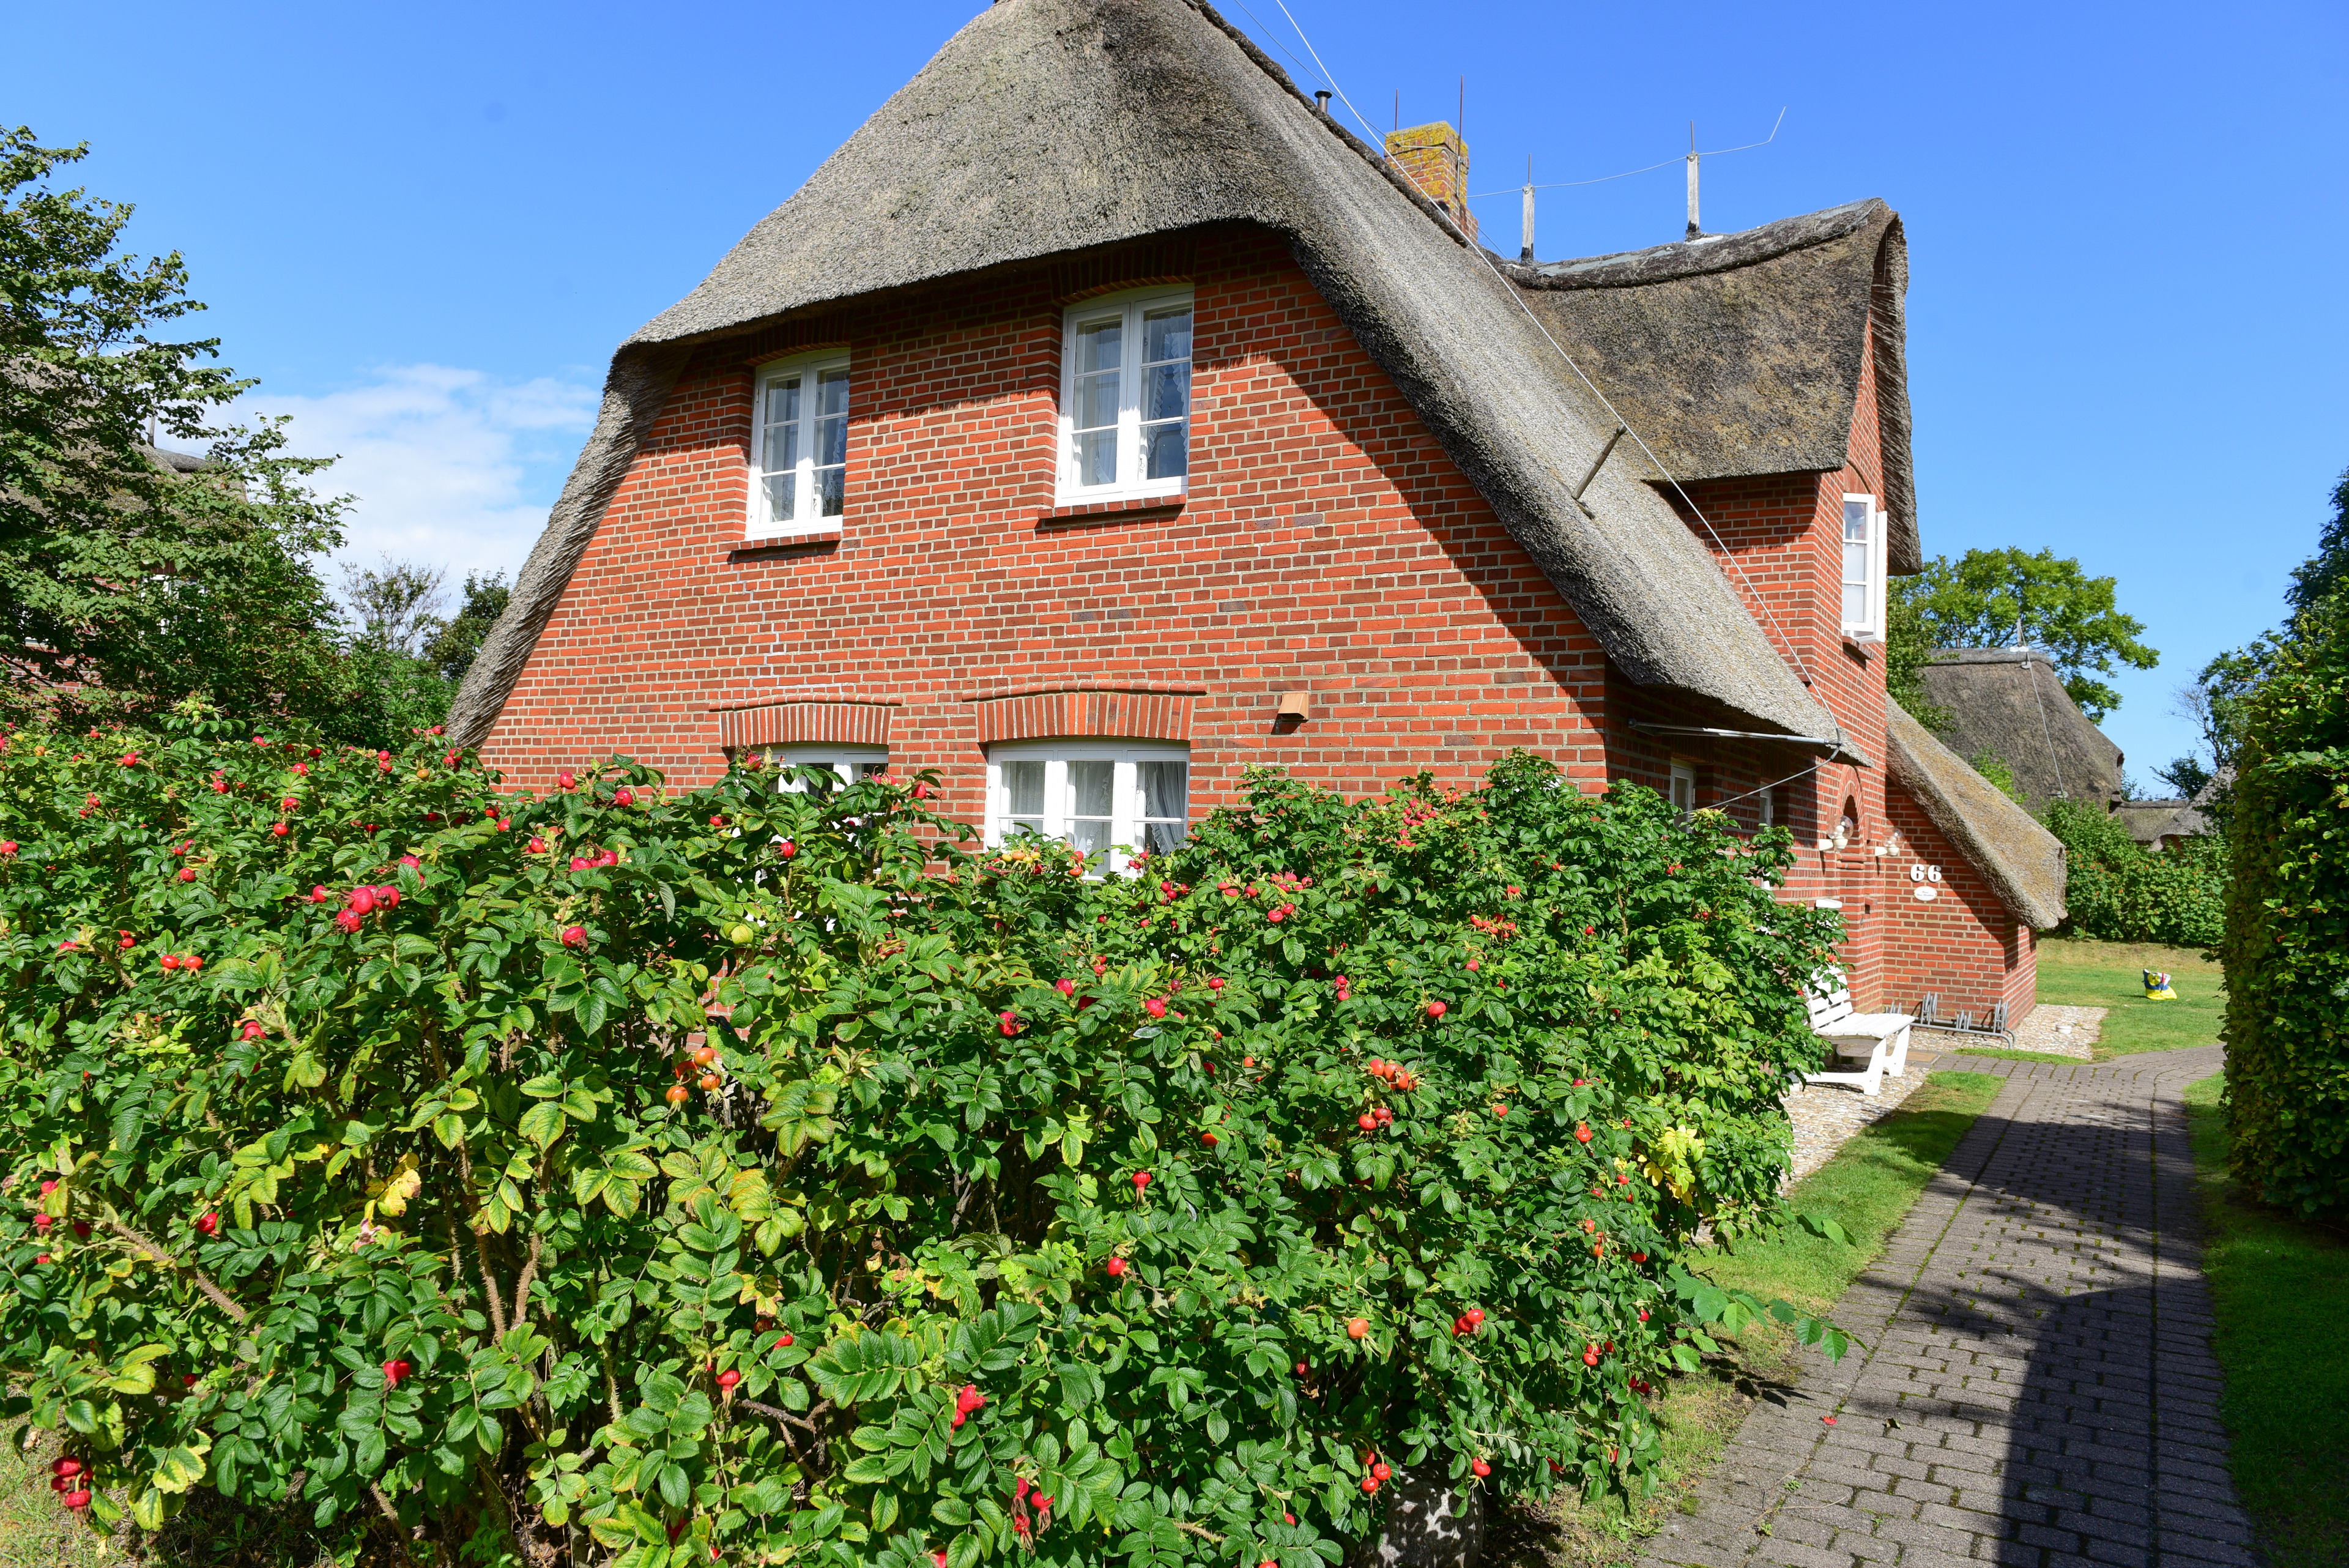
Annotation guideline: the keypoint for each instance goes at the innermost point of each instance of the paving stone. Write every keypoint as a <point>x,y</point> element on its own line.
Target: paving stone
<point>2040,1329</point>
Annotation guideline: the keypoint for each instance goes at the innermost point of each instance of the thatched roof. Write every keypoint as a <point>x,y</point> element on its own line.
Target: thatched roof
<point>2152,822</point>
<point>1050,126</point>
<point>1741,353</point>
<point>177,462</point>
<point>2010,703</point>
<point>2021,860</point>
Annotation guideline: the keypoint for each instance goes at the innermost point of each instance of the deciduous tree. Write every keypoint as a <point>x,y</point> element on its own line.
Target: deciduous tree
<point>1994,599</point>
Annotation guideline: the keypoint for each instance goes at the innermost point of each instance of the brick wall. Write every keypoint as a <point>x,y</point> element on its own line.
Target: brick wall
<point>1964,943</point>
<point>1326,546</point>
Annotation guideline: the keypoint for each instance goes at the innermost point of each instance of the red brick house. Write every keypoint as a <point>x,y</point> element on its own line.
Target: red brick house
<point>1102,417</point>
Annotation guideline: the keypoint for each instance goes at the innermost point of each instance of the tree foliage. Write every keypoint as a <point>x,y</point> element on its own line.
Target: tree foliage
<point>2287,942</point>
<point>2280,711</point>
<point>2325,573</point>
<point>128,582</point>
<point>395,603</point>
<point>769,1172</point>
<point>2117,890</point>
<point>457,642</point>
<point>1992,598</point>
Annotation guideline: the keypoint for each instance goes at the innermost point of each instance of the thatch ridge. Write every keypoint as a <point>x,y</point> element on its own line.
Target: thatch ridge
<point>1045,127</point>
<point>2021,860</point>
<point>2010,703</point>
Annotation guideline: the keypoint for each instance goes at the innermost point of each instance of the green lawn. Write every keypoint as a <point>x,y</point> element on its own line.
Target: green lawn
<point>35,1532</point>
<point>2280,1288</point>
<point>2078,973</point>
<point>1869,1186</point>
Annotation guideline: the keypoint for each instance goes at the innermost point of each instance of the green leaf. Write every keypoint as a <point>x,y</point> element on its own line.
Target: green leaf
<point>181,1467</point>
<point>543,1123</point>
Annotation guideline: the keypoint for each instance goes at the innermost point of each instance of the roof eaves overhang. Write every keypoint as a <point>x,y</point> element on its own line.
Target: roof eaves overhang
<point>1835,748</point>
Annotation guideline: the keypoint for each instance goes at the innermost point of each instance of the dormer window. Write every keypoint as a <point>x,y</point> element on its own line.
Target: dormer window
<point>798,446</point>
<point>1863,567</point>
<point>1125,397</point>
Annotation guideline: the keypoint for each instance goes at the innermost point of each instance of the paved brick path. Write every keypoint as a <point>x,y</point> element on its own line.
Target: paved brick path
<point>2037,1388</point>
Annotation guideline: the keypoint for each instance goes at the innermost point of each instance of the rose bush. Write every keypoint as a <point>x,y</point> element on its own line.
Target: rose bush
<point>769,1171</point>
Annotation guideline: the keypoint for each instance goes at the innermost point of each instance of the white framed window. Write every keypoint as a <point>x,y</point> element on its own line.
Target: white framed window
<point>1863,566</point>
<point>1767,806</point>
<point>1125,397</point>
<point>1097,795</point>
<point>1684,787</point>
<point>850,763</point>
<point>798,446</point>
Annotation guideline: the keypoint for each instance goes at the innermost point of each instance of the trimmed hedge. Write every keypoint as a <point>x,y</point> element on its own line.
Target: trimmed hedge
<point>769,1171</point>
<point>2117,890</point>
<point>2287,940</point>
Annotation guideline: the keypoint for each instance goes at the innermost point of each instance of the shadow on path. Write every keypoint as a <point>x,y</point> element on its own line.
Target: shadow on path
<point>2037,1386</point>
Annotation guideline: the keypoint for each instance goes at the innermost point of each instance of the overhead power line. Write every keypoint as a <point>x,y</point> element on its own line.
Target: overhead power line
<point>1667,164</point>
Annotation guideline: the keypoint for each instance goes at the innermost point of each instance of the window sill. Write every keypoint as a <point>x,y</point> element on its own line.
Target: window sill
<point>1120,509</point>
<point>773,546</point>
<point>1860,645</point>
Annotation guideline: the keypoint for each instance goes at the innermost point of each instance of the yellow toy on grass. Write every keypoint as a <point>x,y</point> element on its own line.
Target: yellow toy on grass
<point>2157,986</point>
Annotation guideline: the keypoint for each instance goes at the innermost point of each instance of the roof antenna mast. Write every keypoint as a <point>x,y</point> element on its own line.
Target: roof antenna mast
<point>1525,255</point>
<point>1692,230</point>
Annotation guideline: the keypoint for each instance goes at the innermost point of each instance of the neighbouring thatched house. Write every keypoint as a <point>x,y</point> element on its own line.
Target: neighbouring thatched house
<point>1102,417</point>
<point>2010,703</point>
<point>2162,824</point>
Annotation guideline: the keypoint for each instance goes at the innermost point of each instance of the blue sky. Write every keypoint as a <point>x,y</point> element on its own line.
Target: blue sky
<point>424,227</point>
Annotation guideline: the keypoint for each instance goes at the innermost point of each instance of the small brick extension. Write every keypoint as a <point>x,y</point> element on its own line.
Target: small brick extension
<point>2037,1388</point>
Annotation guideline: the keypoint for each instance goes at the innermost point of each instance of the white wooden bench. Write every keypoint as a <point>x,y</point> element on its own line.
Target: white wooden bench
<point>1877,1039</point>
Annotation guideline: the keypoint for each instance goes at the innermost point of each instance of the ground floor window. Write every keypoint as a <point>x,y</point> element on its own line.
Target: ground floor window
<point>850,763</point>
<point>1684,787</point>
<point>1103,797</point>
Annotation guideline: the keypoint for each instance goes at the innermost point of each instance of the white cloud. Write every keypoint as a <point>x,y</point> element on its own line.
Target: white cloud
<point>447,467</point>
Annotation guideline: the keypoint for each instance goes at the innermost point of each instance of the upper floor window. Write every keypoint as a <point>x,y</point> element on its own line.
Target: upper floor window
<point>1863,566</point>
<point>798,446</point>
<point>1125,397</point>
<point>1101,797</point>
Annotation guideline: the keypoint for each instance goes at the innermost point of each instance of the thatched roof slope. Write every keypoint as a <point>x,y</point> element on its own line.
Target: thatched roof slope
<point>1050,126</point>
<point>1742,354</point>
<point>177,462</point>
<point>2022,861</point>
<point>2010,703</point>
<point>2156,822</point>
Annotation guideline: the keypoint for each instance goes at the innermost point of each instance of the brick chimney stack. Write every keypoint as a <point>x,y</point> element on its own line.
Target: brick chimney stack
<point>1435,159</point>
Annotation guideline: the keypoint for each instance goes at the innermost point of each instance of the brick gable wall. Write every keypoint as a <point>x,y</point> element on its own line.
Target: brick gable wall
<point>1327,545</point>
<point>1780,538</point>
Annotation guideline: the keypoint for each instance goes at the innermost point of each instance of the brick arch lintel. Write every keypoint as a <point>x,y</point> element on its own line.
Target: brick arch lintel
<point>792,722</point>
<point>1140,715</point>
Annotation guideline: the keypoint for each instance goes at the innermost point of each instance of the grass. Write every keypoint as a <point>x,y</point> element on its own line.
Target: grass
<point>2279,1291</point>
<point>2076,971</point>
<point>1869,1186</point>
<point>35,1532</point>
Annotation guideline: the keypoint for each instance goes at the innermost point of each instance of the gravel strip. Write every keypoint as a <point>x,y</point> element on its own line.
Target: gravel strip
<point>2061,1031</point>
<point>1825,1114</point>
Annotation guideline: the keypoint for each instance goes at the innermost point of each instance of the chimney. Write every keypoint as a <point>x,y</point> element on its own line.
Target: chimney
<point>1435,159</point>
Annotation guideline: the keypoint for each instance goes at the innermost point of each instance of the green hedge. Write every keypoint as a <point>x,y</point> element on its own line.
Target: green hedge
<point>2117,890</point>
<point>2286,943</point>
<point>769,1172</point>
